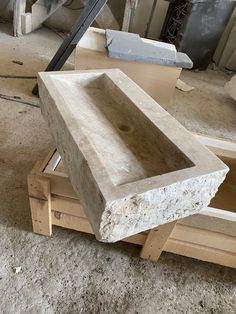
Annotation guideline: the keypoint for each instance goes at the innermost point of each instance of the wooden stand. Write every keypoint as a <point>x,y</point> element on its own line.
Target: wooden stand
<point>209,236</point>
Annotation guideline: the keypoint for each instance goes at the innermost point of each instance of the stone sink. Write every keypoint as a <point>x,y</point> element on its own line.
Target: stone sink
<point>132,164</point>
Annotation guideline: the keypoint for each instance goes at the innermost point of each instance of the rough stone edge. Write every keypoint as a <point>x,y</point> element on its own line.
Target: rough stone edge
<point>187,200</point>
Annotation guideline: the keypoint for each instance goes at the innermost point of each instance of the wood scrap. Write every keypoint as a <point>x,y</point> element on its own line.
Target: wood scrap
<point>184,87</point>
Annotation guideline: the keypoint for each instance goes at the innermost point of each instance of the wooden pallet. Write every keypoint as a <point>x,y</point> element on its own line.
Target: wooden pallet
<point>209,236</point>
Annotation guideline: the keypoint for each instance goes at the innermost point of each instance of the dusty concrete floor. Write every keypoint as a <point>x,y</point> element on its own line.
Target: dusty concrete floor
<point>206,109</point>
<point>71,272</point>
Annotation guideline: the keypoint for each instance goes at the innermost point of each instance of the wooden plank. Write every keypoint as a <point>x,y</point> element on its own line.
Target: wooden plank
<point>53,162</point>
<point>38,187</point>
<point>40,203</point>
<point>201,253</point>
<point>41,216</point>
<point>139,239</point>
<point>218,146</point>
<point>156,240</point>
<point>82,225</point>
<point>219,213</point>
<point>62,187</point>
<point>213,219</point>
<point>206,238</point>
<point>68,206</point>
<point>71,222</point>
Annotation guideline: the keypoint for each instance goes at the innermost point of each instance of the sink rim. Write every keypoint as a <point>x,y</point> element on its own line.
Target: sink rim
<point>160,118</point>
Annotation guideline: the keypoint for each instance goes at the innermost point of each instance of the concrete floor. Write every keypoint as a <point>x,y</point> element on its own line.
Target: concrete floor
<point>207,109</point>
<point>71,272</point>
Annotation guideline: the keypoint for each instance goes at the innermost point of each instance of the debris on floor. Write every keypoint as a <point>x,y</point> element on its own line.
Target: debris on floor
<point>17,62</point>
<point>17,269</point>
<point>184,87</point>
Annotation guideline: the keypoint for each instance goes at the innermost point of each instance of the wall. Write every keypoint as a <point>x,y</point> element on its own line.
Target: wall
<point>142,14</point>
<point>64,17</point>
<point>6,8</point>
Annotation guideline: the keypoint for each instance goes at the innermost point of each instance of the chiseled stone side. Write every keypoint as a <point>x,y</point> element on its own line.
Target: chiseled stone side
<point>138,213</point>
<point>75,165</point>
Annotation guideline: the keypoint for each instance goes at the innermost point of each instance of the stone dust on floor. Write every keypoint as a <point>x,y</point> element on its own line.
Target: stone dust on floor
<point>71,272</point>
<point>207,109</point>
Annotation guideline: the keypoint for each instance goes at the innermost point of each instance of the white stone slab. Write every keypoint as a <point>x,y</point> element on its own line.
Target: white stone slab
<point>132,164</point>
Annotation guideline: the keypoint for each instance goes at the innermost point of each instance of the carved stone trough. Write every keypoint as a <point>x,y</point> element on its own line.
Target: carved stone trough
<point>132,164</point>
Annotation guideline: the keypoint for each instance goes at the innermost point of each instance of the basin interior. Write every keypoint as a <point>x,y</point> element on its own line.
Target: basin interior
<point>129,146</point>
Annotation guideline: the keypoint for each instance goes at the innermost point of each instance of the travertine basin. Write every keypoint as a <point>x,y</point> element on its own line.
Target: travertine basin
<point>132,164</point>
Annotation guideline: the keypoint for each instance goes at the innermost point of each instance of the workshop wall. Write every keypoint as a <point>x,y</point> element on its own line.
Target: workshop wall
<point>65,16</point>
<point>6,8</point>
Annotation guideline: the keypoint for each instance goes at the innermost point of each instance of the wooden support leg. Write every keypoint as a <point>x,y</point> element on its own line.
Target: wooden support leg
<point>40,204</point>
<point>155,241</point>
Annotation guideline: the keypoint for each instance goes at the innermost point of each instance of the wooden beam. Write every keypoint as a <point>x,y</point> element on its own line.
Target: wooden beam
<point>156,241</point>
<point>40,204</point>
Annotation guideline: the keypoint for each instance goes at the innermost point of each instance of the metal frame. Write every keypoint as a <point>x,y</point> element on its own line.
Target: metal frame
<point>85,19</point>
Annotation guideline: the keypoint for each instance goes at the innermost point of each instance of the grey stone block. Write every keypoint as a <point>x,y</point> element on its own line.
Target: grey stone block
<point>129,46</point>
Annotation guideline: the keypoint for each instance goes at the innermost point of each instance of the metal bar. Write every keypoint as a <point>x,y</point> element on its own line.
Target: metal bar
<point>154,5</point>
<point>130,8</point>
<point>86,18</point>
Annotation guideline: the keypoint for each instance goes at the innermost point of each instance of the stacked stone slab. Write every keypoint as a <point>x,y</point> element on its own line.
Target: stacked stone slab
<point>128,46</point>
